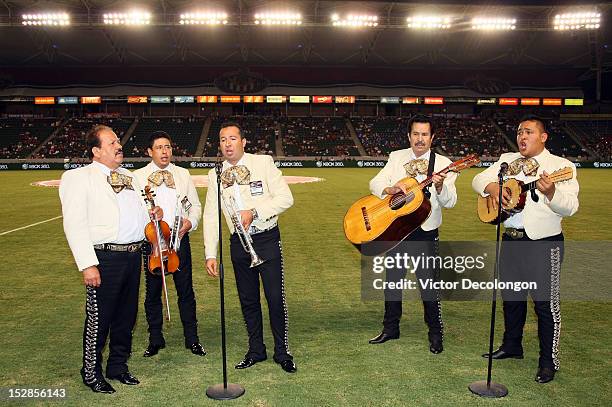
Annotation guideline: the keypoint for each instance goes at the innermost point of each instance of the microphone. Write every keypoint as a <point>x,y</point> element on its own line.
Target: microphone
<point>503,168</point>
<point>534,196</point>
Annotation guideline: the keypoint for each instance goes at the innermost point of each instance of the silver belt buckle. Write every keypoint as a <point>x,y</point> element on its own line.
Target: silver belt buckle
<point>514,233</point>
<point>254,230</point>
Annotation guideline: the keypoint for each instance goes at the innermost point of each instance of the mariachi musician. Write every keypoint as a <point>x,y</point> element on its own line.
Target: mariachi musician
<point>255,194</point>
<point>418,162</point>
<point>104,221</point>
<point>532,243</point>
<point>174,192</point>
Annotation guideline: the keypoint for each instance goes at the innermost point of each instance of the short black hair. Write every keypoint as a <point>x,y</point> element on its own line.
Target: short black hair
<point>534,118</point>
<point>92,138</point>
<point>231,124</point>
<point>157,135</point>
<point>420,118</point>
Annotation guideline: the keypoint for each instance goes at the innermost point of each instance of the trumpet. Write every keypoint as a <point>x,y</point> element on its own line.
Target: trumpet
<point>243,234</point>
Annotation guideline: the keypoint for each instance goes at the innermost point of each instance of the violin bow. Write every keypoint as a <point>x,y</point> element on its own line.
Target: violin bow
<point>161,257</point>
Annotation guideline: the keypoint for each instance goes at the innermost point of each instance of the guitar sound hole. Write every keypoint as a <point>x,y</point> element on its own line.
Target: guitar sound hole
<point>399,200</point>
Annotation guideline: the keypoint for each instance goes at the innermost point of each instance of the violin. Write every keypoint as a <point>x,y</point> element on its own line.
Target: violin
<point>163,257</point>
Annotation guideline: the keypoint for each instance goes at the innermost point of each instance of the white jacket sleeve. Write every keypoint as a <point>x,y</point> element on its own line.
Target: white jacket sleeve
<point>480,181</point>
<point>74,210</point>
<point>280,198</point>
<point>565,199</point>
<point>448,196</point>
<point>383,179</point>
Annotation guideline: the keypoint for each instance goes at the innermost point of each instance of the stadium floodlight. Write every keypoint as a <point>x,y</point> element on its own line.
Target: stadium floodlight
<point>46,19</point>
<point>578,21</point>
<point>278,18</point>
<point>134,17</point>
<point>203,18</point>
<point>429,22</point>
<point>493,23</point>
<point>354,20</point>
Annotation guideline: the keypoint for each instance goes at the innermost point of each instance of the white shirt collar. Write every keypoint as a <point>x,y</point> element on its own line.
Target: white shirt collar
<point>423,157</point>
<point>104,168</point>
<point>226,164</point>
<point>538,157</point>
<point>155,168</point>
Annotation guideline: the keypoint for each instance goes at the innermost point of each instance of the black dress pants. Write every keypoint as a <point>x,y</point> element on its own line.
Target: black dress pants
<point>183,283</point>
<point>419,243</point>
<point>268,246</point>
<point>110,310</point>
<point>524,260</point>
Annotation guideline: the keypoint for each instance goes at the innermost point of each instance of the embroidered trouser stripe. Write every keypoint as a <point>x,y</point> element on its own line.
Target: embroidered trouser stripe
<point>555,306</point>
<point>91,363</point>
<point>286,335</point>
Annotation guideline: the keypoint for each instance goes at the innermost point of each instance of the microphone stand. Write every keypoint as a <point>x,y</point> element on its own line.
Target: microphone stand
<point>487,388</point>
<point>225,390</point>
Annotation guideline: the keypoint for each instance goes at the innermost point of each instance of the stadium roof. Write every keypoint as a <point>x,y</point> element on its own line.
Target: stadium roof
<point>164,44</point>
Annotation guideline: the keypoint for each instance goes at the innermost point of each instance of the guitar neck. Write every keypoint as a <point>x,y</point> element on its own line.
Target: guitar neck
<point>532,185</point>
<point>457,166</point>
<point>427,181</point>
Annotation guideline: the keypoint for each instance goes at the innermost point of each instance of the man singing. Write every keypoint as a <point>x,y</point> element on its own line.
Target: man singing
<point>532,246</point>
<point>254,185</point>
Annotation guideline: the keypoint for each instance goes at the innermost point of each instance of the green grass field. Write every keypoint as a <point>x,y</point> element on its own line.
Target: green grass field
<point>42,300</point>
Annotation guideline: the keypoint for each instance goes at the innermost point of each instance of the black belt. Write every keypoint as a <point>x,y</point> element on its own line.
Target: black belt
<point>116,247</point>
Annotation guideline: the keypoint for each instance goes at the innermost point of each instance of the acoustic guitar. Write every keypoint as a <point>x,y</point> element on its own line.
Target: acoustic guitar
<point>390,220</point>
<point>487,212</point>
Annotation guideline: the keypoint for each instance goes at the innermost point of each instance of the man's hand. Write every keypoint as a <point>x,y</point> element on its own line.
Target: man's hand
<point>546,186</point>
<point>246,219</point>
<point>156,213</point>
<point>438,181</point>
<point>186,227</point>
<point>211,267</point>
<point>395,189</point>
<point>91,277</point>
<point>493,190</point>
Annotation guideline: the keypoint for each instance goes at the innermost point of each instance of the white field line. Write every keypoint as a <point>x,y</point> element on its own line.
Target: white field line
<point>29,226</point>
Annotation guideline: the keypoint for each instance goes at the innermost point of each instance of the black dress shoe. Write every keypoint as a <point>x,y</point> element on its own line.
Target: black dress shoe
<point>545,375</point>
<point>125,378</point>
<point>197,349</point>
<point>247,362</point>
<point>101,386</point>
<point>288,366</point>
<point>435,344</point>
<point>382,338</point>
<point>500,354</point>
<point>153,350</point>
